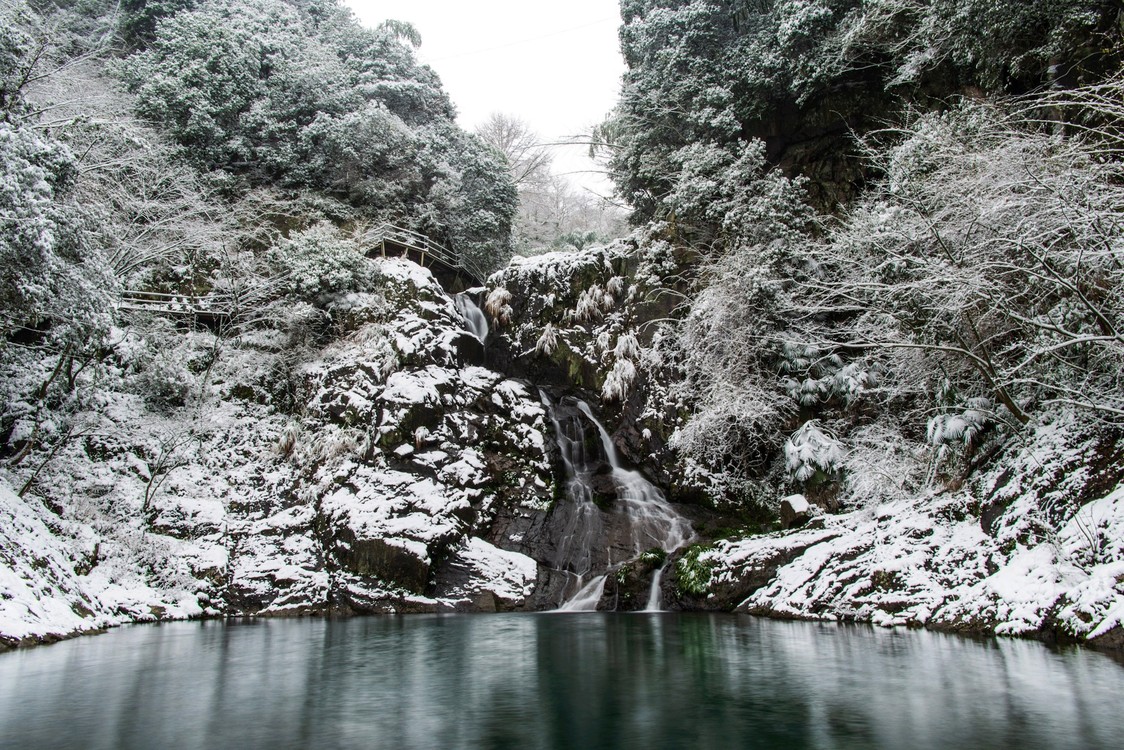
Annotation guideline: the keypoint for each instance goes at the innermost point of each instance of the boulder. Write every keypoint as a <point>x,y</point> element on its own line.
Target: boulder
<point>394,561</point>
<point>795,511</point>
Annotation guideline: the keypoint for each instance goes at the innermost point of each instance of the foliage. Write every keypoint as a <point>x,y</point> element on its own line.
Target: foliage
<point>54,289</point>
<point>158,364</point>
<point>732,190</point>
<point>139,18</point>
<point>993,249</point>
<point>157,218</point>
<point>471,202</point>
<point>974,283</point>
<point>816,378</point>
<point>260,116</point>
<point>813,456</point>
<point>274,94</point>
<point>732,340</point>
<point>693,572</point>
<point>803,75</point>
<point>555,215</point>
<point>528,160</point>
<point>498,307</point>
<point>320,261</point>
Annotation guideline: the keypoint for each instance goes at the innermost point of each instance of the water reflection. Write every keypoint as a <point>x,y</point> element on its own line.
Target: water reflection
<point>553,681</point>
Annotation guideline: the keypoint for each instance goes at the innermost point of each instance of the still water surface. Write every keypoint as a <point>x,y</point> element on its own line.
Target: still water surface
<point>554,681</point>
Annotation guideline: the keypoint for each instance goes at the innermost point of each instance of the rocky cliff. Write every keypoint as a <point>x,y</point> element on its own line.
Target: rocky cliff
<point>402,480</point>
<point>398,462</point>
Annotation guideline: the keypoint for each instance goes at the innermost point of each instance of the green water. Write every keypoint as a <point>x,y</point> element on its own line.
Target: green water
<point>554,681</point>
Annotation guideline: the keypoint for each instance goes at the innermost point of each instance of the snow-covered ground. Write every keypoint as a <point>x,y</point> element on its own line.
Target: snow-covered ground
<point>927,559</point>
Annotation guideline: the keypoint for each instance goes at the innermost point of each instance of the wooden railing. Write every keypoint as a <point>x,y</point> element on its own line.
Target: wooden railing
<point>386,240</point>
<point>390,240</point>
<point>210,307</point>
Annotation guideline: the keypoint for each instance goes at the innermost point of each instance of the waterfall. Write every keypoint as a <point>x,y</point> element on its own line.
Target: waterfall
<point>474,320</point>
<point>579,521</point>
<point>587,597</point>
<point>640,517</point>
<point>654,522</point>
<point>653,604</point>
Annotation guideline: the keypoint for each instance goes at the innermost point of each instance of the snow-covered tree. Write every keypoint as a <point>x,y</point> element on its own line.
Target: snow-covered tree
<point>803,75</point>
<point>305,97</point>
<point>54,287</point>
<point>995,250</point>
<point>53,282</point>
<point>528,160</point>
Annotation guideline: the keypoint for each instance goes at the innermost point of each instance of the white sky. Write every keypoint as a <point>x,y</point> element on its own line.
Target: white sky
<point>556,66</point>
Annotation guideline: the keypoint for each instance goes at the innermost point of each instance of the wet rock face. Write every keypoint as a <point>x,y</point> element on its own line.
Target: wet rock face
<point>589,324</point>
<point>600,529</point>
<point>565,561</point>
<point>480,577</point>
<point>629,589</point>
<point>446,456</point>
<point>406,455</point>
<point>470,349</point>
<point>386,470</point>
<point>375,558</point>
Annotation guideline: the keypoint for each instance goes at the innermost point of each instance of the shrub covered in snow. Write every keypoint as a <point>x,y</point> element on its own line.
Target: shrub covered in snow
<point>619,380</point>
<point>693,571</point>
<point>496,305</point>
<point>812,455</point>
<point>319,261</point>
<point>548,341</point>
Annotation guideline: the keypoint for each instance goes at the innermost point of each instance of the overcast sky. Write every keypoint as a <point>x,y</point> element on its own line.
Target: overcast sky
<point>556,66</point>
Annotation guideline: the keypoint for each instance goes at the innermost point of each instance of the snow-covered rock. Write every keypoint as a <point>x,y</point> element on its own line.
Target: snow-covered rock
<point>929,560</point>
<point>795,511</point>
<point>381,468</point>
<point>381,486</point>
<point>482,577</point>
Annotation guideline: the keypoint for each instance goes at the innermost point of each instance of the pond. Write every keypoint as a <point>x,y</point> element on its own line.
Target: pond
<point>583,680</point>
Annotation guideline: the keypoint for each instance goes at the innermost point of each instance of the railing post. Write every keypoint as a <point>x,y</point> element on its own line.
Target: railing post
<point>407,240</point>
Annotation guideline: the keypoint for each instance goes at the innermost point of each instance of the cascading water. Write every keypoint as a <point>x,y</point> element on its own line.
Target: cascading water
<point>653,522</point>
<point>639,520</point>
<point>612,514</point>
<point>579,522</point>
<point>587,597</point>
<point>474,320</point>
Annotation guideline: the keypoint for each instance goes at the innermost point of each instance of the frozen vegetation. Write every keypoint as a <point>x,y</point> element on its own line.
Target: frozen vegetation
<point>1031,543</point>
<point>927,560</point>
